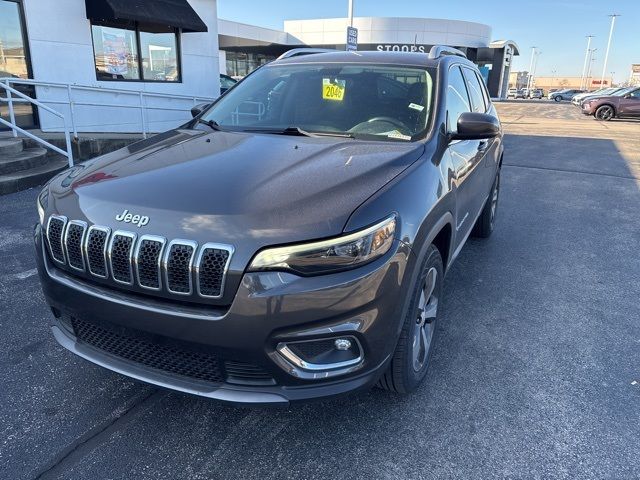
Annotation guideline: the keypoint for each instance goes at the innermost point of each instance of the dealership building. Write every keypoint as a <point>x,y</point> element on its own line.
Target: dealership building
<point>245,47</point>
<point>123,66</point>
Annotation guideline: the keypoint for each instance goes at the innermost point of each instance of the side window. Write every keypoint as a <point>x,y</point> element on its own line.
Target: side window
<point>485,93</point>
<point>475,91</point>
<point>636,94</point>
<point>457,98</point>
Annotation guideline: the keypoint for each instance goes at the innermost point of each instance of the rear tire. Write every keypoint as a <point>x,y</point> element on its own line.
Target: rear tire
<point>412,355</point>
<point>557,99</point>
<point>486,221</point>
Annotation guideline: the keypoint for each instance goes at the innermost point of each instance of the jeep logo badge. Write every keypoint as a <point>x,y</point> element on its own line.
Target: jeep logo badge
<point>126,217</point>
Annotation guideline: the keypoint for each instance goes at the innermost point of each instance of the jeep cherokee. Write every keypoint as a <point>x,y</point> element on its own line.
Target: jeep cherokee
<point>288,243</point>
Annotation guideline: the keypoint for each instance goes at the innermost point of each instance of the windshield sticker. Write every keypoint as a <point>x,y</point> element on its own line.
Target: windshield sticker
<point>333,89</point>
<point>415,106</point>
<point>397,134</point>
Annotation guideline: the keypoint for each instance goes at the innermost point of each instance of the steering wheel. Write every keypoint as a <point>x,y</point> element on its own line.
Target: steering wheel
<point>393,121</point>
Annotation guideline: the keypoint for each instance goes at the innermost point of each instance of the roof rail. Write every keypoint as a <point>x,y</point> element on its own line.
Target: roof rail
<point>438,51</point>
<point>297,52</point>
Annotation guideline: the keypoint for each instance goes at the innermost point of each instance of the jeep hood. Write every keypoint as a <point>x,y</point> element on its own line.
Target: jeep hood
<point>232,187</point>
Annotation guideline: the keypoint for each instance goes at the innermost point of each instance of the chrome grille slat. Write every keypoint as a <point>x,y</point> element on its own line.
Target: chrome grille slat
<point>148,261</point>
<point>96,243</point>
<point>55,232</point>
<point>211,269</point>
<point>178,266</point>
<point>73,244</point>
<point>121,256</point>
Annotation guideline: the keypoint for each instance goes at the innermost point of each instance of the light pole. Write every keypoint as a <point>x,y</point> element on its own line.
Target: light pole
<point>535,65</point>
<point>586,56</point>
<point>533,54</point>
<point>612,74</point>
<point>606,55</point>
<point>591,60</point>
<point>351,13</point>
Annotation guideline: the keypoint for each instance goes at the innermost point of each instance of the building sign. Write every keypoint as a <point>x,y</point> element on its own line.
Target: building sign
<point>635,68</point>
<point>401,48</point>
<point>352,39</point>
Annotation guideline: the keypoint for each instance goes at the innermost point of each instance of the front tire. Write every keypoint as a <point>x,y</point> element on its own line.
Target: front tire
<point>557,99</point>
<point>604,113</point>
<point>412,355</point>
<point>486,221</point>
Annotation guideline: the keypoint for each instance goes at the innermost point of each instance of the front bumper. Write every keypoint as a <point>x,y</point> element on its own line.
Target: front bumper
<point>587,109</point>
<point>268,309</point>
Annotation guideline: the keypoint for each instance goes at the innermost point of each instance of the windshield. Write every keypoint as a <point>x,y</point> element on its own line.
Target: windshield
<point>360,101</point>
<point>623,92</point>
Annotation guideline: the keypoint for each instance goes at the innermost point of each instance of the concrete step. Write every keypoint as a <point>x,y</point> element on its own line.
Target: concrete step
<point>10,146</point>
<point>14,182</point>
<point>24,160</point>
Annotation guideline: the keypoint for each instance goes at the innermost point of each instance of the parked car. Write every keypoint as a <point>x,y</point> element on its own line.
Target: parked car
<point>566,94</point>
<point>515,93</point>
<point>288,243</point>
<point>577,99</point>
<point>536,93</point>
<point>226,82</point>
<point>623,104</point>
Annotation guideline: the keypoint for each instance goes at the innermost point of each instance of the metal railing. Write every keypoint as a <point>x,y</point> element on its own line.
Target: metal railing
<point>70,124</point>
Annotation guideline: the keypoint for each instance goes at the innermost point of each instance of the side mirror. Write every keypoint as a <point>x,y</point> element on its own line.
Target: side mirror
<point>198,109</point>
<point>476,126</point>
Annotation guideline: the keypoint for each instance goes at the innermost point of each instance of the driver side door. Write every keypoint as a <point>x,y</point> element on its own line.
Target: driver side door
<point>465,157</point>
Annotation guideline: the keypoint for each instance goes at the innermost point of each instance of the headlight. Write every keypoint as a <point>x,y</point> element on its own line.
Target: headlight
<point>42,202</point>
<point>332,255</point>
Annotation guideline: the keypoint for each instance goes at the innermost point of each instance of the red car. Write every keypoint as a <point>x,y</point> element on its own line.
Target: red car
<point>623,104</point>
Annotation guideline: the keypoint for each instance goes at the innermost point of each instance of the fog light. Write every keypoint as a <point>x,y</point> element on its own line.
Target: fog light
<point>342,344</point>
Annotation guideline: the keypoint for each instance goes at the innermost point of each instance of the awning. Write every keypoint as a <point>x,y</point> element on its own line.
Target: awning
<point>173,13</point>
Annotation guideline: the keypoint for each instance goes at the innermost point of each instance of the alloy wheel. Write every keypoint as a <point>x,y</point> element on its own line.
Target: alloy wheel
<point>425,324</point>
<point>494,199</point>
<point>604,113</point>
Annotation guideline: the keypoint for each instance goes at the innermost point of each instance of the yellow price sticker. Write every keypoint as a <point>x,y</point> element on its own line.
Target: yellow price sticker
<point>333,90</point>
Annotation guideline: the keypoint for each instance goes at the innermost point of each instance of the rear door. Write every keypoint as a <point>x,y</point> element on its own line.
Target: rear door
<point>630,104</point>
<point>464,155</point>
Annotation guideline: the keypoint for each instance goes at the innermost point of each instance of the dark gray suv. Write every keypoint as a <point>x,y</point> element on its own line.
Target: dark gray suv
<point>290,242</point>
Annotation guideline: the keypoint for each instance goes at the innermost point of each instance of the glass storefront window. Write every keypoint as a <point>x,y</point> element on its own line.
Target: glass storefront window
<point>116,53</point>
<point>14,62</point>
<point>240,64</point>
<point>159,56</point>
<point>135,54</point>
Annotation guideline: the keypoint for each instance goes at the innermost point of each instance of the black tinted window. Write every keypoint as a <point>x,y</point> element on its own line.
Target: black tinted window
<point>475,91</point>
<point>457,98</point>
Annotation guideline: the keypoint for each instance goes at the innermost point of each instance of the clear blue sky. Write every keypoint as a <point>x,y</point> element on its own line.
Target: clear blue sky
<point>558,28</point>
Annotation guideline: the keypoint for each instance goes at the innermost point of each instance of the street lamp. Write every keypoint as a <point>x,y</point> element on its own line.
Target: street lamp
<point>586,56</point>
<point>606,56</point>
<point>535,65</point>
<point>592,59</point>
<point>533,53</point>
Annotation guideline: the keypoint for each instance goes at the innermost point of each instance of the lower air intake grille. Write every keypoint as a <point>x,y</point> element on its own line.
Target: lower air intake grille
<point>246,373</point>
<point>54,235</point>
<point>212,269</point>
<point>121,258</point>
<point>179,268</point>
<point>160,356</point>
<point>74,238</point>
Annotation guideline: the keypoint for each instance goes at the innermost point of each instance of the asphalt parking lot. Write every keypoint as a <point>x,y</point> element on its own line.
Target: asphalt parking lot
<point>536,372</point>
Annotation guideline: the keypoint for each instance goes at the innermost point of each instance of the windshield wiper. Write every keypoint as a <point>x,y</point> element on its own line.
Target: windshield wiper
<point>211,124</point>
<point>299,132</point>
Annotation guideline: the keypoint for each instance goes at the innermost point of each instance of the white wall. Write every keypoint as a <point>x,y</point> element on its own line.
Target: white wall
<point>391,30</point>
<point>61,51</point>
